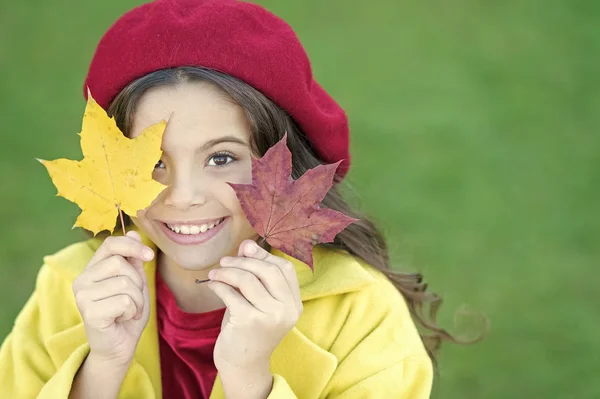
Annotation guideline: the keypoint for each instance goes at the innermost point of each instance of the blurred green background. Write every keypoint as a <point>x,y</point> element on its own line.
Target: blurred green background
<point>475,139</point>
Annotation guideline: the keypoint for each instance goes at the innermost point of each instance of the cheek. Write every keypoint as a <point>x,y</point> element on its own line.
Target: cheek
<point>144,216</point>
<point>228,198</point>
<point>241,173</point>
<point>142,224</point>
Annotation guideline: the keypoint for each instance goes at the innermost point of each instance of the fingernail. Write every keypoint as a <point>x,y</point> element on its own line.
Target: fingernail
<point>251,249</point>
<point>148,254</point>
<point>133,234</point>
<point>211,274</point>
<point>226,260</point>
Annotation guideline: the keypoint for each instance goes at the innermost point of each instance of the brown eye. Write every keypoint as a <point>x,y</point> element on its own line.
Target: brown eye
<point>220,160</point>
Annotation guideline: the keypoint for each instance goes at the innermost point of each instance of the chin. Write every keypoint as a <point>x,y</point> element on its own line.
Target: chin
<point>197,258</point>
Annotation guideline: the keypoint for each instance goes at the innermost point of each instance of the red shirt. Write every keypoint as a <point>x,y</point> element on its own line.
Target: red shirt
<point>186,341</point>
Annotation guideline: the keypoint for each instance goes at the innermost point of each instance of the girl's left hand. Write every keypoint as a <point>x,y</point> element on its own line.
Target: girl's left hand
<point>262,295</point>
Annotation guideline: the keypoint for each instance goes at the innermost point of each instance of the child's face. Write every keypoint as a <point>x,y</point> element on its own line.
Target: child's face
<point>205,145</point>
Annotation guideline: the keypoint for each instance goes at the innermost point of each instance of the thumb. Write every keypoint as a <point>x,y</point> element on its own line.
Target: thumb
<point>134,234</point>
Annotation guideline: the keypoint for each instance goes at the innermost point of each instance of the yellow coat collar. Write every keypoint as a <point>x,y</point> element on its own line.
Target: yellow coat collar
<point>335,272</point>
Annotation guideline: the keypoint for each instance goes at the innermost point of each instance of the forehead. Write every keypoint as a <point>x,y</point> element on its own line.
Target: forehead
<point>195,113</point>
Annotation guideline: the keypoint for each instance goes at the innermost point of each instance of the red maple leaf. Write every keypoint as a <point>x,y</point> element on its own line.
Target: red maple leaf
<point>286,212</point>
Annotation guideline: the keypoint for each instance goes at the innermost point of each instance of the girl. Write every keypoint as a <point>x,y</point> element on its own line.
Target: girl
<point>124,317</point>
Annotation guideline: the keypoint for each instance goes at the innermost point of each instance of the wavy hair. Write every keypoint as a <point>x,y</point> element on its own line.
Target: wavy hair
<point>268,124</point>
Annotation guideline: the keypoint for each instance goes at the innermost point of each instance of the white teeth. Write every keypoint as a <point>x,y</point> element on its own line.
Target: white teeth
<point>193,229</point>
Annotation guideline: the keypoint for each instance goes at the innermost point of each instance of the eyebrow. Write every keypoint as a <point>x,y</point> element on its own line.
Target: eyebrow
<point>225,139</point>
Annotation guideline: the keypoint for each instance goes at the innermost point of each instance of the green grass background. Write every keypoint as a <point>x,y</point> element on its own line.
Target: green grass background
<point>475,139</point>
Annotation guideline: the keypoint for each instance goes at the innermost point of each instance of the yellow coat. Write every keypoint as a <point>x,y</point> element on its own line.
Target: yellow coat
<point>355,338</point>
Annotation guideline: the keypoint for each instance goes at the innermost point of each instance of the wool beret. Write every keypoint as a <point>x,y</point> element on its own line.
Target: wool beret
<point>238,38</point>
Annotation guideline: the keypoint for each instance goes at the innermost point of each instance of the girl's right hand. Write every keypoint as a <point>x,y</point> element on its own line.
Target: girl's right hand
<point>113,298</point>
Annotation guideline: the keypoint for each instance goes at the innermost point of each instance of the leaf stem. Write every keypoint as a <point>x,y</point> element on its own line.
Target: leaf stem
<point>122,221</point>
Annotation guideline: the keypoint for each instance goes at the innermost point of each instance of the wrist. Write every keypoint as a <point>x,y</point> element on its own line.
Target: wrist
<point>98,378</point>
<point>256,382</point>
<point>108,365</point>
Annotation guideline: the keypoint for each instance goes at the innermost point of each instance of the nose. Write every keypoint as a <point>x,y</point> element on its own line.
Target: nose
<point>184,194</point>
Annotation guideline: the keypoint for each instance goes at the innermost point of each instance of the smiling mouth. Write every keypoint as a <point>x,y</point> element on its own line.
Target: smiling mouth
<point>193,229</point>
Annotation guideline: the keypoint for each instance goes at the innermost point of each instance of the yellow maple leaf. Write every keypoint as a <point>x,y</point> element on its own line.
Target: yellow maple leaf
<point>114,174</point>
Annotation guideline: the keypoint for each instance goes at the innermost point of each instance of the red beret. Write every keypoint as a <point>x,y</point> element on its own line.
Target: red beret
<point>238,38</point>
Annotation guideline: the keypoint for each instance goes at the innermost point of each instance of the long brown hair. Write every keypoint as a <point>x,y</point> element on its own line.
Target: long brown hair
<point>268,123</point>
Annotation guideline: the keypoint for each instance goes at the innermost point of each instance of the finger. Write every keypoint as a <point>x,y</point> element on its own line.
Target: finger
<point>251,249</point>
<point>138,266</point>
<point>115,266</point>
<point>129,245</point>
<point>142,273</point>
<point>138,263</point>
<point>235,302</point>
<point>107,311</point>
<point>269,275</point>
<point>121,285</point>
<point>249,285</point>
